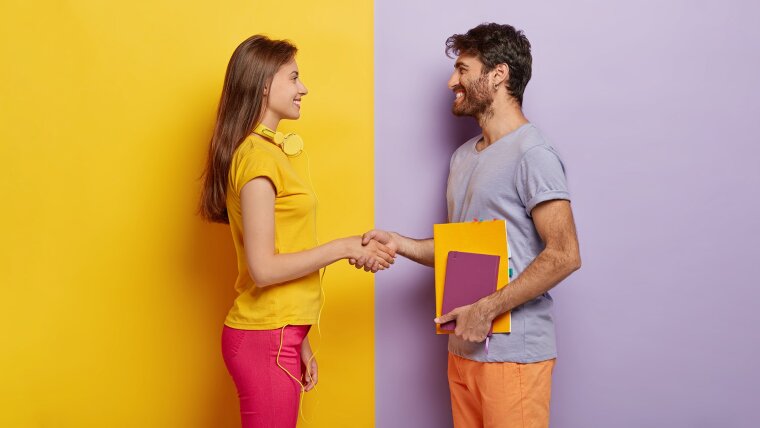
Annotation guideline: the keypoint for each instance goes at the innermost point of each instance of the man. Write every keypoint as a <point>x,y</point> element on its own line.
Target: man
<point>509,172</point>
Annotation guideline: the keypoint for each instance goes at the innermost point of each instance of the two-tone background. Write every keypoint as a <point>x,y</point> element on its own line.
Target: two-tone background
<point>113,291</point>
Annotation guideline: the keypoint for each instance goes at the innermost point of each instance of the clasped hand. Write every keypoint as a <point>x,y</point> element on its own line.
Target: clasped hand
<point>379,251</point>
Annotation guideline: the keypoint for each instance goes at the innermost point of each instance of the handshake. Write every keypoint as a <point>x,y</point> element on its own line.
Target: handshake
<point>374,251</point>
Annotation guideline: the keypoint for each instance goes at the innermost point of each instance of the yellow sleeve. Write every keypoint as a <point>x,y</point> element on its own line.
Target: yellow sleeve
<point>253,164</point>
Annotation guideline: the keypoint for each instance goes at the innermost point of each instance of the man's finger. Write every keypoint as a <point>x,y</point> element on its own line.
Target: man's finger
<point>472,337</point>
<point>368,237</point>
<point>443,319</point>
<point>385,253</point>
<point>384,248</point>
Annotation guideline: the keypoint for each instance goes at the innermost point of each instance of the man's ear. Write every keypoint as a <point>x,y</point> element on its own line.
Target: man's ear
<point>501,74</point>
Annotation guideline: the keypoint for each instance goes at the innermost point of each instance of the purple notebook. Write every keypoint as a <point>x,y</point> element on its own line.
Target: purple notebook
<point>469,278</point>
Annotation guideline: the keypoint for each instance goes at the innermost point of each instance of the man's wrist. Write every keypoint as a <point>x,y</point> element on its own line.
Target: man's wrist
<point>494,305</point>
<point>400,244</point>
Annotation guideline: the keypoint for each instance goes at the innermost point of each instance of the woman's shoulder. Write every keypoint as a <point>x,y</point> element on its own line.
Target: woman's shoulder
<point>253,158</point>
<point>254,147</point>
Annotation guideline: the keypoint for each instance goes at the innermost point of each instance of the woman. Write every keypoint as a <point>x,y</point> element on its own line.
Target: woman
<point>257,180</point>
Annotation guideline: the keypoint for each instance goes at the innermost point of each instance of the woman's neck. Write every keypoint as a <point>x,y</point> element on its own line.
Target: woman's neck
<point>270,120</point>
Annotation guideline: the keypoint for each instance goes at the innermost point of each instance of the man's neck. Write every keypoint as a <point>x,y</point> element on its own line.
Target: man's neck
<point>505,118</point>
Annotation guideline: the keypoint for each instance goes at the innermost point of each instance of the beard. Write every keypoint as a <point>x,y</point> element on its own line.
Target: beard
<point>476,100</point>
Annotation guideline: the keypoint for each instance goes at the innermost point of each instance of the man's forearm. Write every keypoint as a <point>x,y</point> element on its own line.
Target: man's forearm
<point>417,250</point>
<point>546,271</point>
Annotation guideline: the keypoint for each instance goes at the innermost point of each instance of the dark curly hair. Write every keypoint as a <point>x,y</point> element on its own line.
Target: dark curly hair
<point>495,44</point>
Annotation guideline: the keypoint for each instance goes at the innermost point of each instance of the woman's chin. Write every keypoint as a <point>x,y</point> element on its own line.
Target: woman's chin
<point>292,115</point>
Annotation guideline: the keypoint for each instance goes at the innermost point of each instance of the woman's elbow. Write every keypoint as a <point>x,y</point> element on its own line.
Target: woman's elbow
<point>261,277</point>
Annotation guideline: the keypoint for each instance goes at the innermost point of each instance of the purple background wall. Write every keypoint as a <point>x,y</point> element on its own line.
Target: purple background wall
<point>654,106</point>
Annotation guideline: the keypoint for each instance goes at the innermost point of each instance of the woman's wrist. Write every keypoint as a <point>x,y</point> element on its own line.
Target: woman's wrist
<point>343,248</point>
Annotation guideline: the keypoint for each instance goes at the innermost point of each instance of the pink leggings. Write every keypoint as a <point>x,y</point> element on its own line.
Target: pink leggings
<point>268,396</point>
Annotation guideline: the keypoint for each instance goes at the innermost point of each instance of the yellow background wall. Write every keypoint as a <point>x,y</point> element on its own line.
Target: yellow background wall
<point>113,290</point>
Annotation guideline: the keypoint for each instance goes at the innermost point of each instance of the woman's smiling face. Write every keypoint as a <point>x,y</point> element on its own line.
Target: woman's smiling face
<point>284,96</point>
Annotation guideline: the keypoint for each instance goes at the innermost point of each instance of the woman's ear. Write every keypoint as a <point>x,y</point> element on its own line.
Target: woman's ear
<point>266,90</point>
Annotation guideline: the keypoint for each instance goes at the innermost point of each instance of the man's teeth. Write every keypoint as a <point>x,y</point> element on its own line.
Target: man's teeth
<point>459,94</point>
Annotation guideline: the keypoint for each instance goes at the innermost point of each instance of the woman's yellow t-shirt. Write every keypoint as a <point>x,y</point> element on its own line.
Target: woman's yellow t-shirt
<point>291,303</point>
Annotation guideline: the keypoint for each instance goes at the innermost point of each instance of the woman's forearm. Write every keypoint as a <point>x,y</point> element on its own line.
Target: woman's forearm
<point>272,269</point>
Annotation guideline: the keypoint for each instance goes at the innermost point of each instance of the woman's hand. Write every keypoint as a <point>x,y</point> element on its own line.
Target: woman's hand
<point>374,256</point>
<point>308,365</point>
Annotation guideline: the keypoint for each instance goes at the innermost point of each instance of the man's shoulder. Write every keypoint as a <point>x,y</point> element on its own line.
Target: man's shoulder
<point>466,146</point>
<point>530,139</point>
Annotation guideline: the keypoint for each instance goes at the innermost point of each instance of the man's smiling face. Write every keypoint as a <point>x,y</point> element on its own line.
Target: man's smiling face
<point>472,90</point>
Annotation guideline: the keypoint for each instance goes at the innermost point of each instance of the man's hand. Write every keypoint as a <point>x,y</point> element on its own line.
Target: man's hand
<point>380,236</point>
<point>420,251</point>
<point>373,256</point>
<point>473,321</point>
<point>386,238</point>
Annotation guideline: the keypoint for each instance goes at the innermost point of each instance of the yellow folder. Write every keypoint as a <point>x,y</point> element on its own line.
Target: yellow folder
<point>484,237</point>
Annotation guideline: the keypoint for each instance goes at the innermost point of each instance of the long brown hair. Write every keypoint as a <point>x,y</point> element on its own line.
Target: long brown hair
<point>251,69</point>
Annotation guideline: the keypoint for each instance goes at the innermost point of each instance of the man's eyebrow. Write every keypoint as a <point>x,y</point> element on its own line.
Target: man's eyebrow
<point>460,64</point>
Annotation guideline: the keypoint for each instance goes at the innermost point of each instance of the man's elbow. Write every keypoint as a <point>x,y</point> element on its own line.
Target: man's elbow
<point>567,260</point>
<point>573,262</point>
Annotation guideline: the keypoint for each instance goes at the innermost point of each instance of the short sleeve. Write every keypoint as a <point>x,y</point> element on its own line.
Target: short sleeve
<point>541,177</point>
<point>254,164</point>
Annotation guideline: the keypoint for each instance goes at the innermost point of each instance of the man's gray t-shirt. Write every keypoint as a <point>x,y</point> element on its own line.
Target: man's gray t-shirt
<point>507,180</point>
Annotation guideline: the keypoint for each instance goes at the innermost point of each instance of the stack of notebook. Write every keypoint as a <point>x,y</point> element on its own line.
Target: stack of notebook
<point>471,262</point>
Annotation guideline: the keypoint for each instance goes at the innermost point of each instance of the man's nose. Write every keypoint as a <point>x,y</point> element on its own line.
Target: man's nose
<point>453,81</point>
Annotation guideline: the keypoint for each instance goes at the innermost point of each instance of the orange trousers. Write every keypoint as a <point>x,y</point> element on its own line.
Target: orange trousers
<point>500,395</point>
